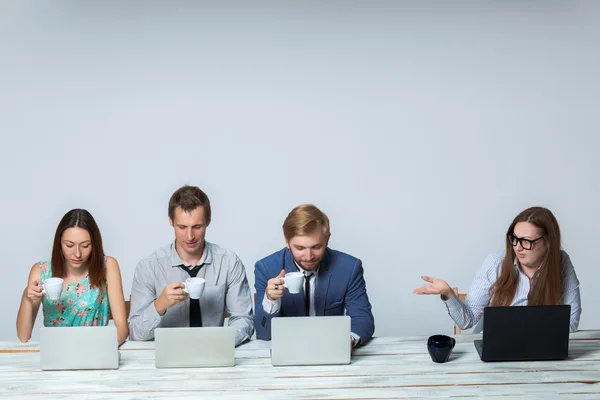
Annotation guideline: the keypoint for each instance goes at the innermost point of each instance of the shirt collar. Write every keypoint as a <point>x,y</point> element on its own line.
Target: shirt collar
<point>300,269</point>
<point>206,258</point>
<point>518,268</point>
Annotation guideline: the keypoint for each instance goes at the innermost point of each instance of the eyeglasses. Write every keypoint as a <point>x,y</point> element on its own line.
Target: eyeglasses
<point>527,244</point>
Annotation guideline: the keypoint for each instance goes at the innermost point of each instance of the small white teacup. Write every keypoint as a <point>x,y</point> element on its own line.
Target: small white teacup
<point>194,287</point>
<point>293,281</point>
<point>52,287</point>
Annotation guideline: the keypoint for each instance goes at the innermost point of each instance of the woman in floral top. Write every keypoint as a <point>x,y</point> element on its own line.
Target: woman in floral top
<point>92,282</point>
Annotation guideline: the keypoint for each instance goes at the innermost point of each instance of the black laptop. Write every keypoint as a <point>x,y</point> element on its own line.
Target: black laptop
<point>525,333</point>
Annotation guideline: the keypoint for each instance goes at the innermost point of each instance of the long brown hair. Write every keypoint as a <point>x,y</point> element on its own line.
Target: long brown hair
<point>546,285</point>
<point>84,220</point>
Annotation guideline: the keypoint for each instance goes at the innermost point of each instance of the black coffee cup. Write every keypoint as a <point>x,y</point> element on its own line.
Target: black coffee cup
<point>440,347</point>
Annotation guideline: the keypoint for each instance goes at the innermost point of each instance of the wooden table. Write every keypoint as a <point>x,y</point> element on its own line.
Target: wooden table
<point>388,367</point>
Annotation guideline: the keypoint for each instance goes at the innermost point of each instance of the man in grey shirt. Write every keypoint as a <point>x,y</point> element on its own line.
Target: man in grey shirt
<point>157,295</point>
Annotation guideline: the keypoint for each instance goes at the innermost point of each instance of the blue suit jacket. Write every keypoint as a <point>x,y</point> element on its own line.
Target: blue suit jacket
<point>340,289</point>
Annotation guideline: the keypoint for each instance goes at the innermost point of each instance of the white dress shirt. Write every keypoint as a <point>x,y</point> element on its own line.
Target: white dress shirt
<point>273,306</point>
<point>470,312</point>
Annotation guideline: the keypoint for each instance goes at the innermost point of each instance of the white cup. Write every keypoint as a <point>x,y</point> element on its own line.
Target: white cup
<point>52,287</point>
<point>293,281</point>
<point>194,287</point>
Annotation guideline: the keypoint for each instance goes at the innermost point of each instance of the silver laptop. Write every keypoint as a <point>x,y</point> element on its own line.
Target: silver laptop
<point>79,347</point>
<point>310,340</point>
<point>194,347</point>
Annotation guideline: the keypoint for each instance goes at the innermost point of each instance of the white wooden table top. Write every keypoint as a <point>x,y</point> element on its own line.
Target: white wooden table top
<point>386,368</point>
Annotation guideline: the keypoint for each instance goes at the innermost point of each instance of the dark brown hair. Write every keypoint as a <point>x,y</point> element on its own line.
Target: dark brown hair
<point>304,220</point>
<point>546,285</point>
<point>189,198</point>
<point>82,219</point>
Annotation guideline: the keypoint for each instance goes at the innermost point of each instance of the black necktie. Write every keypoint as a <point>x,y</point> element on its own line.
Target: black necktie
<point>307,276</point>
<point>195,315</point>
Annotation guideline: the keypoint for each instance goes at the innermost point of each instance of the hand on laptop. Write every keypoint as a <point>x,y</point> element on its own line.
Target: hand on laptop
<point>435,286</point>
<point>275,287</point>
<point>33,291</point>
<point>171,295</point>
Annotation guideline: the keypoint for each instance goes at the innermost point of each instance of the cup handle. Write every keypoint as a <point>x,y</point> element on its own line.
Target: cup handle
<point>185,289</point>
<point>453,342</point>
<point>284,282</point>
<point>44,290</point>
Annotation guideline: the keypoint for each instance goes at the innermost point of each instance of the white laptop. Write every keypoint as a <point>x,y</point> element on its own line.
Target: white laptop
<point>310,340</point>
<point>79,347</point>
<point>194,347</point>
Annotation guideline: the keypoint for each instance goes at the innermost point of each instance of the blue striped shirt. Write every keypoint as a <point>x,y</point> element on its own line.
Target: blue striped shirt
<point>470,313</point>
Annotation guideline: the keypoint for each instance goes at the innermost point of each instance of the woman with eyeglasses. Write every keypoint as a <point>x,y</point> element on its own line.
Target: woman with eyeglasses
<point>533,270</point>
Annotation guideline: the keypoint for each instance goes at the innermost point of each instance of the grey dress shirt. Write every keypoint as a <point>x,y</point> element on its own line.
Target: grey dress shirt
<point>226,289</point>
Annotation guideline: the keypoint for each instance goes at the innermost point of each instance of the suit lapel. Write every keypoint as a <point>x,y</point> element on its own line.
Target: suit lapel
<point>322,285</point>
<point>297,299</point>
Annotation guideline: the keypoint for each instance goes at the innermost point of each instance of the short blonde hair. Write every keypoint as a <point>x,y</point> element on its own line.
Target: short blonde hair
<point>304,220</point>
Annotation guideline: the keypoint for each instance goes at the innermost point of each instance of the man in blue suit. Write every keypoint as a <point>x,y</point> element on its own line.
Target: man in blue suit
<point>333,281</point>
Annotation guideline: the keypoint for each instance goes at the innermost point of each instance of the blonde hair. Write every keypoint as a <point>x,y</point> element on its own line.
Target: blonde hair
<point>304,220</point>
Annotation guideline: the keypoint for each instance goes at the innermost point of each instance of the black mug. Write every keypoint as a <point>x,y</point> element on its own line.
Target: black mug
<point>440,347</point>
